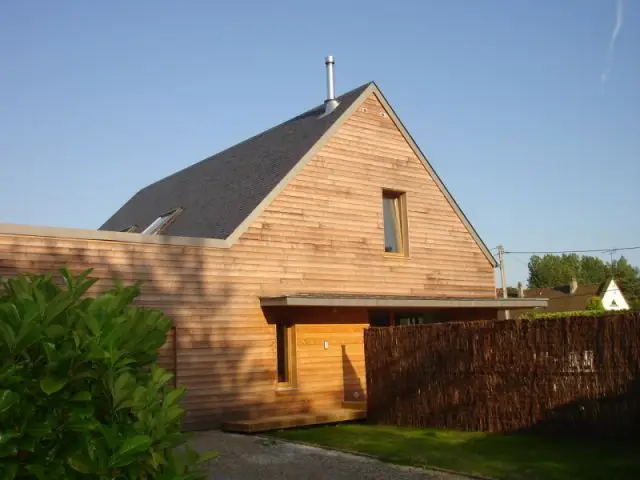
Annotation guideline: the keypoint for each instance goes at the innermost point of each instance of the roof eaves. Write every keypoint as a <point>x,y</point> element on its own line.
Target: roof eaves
<point>110,236</point>
<point>373,301</point>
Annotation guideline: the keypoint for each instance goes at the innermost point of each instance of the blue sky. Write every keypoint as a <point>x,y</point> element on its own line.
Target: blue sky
<point>506,98</point>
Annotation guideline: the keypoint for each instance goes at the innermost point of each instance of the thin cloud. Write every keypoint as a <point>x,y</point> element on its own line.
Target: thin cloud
<point>612,42</point>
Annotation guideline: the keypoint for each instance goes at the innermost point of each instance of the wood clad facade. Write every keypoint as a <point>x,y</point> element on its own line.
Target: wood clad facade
<point>322,233</point>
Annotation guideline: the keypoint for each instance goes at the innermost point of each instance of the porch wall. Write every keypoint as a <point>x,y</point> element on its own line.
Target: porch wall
<point>337,373</point>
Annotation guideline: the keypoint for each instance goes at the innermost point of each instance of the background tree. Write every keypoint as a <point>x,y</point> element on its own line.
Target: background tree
<point>627,277</point>
<point>553,270</point>
<point>593,270</point>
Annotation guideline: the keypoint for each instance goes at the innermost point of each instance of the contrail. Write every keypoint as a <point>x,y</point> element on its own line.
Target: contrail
<point>612,43</point>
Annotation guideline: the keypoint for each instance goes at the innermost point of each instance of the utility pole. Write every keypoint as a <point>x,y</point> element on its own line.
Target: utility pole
<point>611,252</point>
<point>503,278</point>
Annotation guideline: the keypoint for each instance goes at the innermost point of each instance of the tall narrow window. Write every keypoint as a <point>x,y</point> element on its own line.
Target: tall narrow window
<point>395,223</point>
<point>160,223</point>
<point>285,346</point>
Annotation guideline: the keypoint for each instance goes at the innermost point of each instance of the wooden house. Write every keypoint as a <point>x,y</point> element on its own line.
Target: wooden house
<point>273,256</point>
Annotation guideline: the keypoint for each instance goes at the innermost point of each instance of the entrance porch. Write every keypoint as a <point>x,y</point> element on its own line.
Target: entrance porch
<point>297,420</point>
<point>320,358</point>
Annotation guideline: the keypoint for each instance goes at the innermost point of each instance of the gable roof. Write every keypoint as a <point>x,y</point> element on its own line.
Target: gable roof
<point>562,300</point>
<point>221,195</point>
<point>219,192</point>
<point>604,286</point>
<point>583,291</point>
<point>591,290</point>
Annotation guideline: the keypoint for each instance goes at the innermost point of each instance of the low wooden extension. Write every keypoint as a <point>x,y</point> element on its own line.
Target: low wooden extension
<point>357,405</point>
<point>291,421</point>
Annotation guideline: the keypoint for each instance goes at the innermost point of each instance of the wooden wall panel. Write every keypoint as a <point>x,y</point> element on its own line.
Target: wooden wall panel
<point>334,205</point>
<point>323,233</point>
<point>167,354</point>
<point>337,370</point>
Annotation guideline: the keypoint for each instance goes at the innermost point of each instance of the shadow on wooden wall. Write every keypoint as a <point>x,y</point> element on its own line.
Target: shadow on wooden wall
<point>211,356</point>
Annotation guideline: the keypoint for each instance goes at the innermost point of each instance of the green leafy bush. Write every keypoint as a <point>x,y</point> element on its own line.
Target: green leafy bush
<point>595,304</point>
<point>80,395</point>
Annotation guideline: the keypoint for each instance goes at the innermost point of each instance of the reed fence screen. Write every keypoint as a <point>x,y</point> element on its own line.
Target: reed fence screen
<point>578,375</point>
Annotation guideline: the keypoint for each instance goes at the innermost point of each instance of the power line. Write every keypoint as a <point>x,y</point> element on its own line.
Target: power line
<point>520,262</point>
<point>595,250</point>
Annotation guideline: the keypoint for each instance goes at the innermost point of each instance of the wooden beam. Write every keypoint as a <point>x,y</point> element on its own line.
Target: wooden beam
<point>400,302</point>
<point>291,421</point>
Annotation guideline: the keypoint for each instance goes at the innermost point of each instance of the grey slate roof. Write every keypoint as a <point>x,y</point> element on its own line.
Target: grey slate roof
<point>218,193</point>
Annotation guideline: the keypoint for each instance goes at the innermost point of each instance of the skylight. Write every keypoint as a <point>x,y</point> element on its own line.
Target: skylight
<point>160,223</point>
<point>130,229</point>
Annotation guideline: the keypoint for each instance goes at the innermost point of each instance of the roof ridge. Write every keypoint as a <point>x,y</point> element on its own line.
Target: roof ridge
<point>253,137</point>
<point>220,192</point>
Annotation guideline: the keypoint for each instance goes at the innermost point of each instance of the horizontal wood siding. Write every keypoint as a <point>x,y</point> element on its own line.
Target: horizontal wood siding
<point>323,233</point>
<point>329,221</point>
<point>167,354</point>
<point>224,349</point>
<point>336,373</point>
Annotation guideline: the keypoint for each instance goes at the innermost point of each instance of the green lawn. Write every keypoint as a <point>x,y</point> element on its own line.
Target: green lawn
<point>499,456</point>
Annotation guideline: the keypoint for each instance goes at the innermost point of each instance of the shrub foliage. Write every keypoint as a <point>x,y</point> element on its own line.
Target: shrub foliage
<point>595,304</point>
<point>80,394</point>
<point>533,315</point>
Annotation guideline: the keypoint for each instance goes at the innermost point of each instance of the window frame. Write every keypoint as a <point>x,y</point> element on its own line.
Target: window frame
<point>162,222</point>
<point>289,346</point>
<point>401,222</point>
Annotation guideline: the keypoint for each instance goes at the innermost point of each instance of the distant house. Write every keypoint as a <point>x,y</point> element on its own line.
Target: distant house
<point>573,297</point>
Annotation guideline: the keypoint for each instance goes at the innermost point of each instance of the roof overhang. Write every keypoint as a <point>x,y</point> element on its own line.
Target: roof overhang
<point>374,301</point>
<point>109,236</point>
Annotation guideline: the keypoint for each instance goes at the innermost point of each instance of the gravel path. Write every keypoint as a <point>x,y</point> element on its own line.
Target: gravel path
<point>244,457</point>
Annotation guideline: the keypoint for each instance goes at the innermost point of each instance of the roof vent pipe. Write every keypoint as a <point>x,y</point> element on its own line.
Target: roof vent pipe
<point>330,103</point>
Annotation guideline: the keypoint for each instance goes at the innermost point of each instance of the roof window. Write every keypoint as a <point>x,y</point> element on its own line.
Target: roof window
<point>160,223</point>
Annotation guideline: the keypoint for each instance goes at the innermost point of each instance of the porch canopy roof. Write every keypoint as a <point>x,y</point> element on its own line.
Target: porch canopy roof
<point>392,301</point>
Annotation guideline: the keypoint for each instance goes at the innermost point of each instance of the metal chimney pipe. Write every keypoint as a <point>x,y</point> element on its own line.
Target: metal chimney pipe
<point>330,103</point>
<point>331,92</point>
